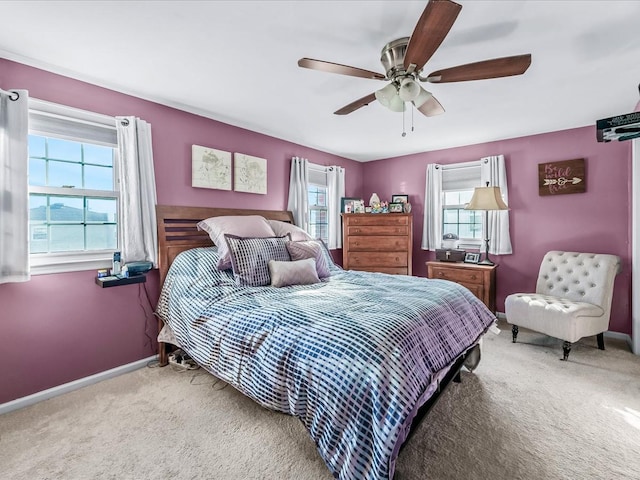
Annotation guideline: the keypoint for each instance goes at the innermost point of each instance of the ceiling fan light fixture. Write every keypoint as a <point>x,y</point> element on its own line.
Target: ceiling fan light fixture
<point>396,104</point>
<point>422,97</point>
<point>409,89</point>
<point>386,94</point>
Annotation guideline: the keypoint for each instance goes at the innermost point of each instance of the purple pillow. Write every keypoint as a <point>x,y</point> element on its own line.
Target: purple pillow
<point>239,225</point>
<point>310,249</point>
<point>282,228</point>
<point>298,272</point>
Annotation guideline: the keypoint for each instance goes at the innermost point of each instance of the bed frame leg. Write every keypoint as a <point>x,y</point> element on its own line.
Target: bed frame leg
<point>601,340</point>
<point>566,348</point>
<point>457,378</point>
<point>162,354</point>
<point>514,333</point>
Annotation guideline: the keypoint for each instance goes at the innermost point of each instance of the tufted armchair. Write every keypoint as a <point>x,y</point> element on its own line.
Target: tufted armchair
<point>572,299</point>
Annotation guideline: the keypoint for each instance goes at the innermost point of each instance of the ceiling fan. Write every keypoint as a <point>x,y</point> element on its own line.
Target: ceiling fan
<point>404,59</point>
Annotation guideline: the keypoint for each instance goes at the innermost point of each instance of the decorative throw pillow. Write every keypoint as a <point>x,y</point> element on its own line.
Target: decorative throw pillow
<point>239,225</point>
<point>298,272</point>
<point>250,258</point>
<point>282,228</point>
<point>310,249</point>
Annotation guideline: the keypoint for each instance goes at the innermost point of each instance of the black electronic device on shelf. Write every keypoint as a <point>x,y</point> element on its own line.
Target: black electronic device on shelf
<point>115,280</point>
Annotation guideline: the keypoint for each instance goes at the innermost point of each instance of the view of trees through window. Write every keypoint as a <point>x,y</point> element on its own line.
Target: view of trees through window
<point>72,197</point>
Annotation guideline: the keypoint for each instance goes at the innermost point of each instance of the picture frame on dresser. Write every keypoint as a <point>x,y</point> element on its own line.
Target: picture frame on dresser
<point>472,257</point>
<point>347,204</point>
<point>396,207</point>
<point>399,198</point>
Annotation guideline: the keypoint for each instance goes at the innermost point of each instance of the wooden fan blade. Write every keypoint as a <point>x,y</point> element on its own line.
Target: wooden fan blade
<point>432,27</point>
<point>353,106</point>
<point>337,68</point>
<point>496,68</point>
<point>431,107</point>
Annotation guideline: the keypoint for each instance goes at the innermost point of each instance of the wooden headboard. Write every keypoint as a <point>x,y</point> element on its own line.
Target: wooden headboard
<point>177,229</point>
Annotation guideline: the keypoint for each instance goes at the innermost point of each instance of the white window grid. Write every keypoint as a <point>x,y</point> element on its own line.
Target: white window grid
<point>56,262</point>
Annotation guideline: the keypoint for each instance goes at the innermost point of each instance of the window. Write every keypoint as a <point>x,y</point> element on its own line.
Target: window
<point>465,224</point>
<point>318,208</point>
<point>73,194</point>
<point>458,183</point>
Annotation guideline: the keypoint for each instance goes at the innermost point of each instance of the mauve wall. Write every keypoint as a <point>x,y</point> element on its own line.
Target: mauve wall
<point>595,221</point>
<point>58,328</point>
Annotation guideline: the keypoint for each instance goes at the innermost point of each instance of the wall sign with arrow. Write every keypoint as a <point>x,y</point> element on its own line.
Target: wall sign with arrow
<point>556,178</point>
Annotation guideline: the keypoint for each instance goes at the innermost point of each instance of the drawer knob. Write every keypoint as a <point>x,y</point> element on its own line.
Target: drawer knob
<point>441,274</point>
<point>473,277</point>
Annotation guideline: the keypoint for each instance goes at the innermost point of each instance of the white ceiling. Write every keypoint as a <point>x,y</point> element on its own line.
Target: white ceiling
<point>236,61</point>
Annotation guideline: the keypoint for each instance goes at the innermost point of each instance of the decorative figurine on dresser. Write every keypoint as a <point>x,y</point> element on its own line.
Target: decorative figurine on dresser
<point>377,242</point>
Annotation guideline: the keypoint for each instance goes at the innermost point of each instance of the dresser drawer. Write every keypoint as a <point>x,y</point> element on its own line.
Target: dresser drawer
<point>480,279</point>
<point>377,244</point>
<point>377,259</point>
<point>378,219</point>
<point>377,230</point>
<point>457,275</point>
<point>391,270</point>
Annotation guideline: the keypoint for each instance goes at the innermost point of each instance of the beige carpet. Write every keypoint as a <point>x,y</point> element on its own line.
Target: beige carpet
<point>523,414</point>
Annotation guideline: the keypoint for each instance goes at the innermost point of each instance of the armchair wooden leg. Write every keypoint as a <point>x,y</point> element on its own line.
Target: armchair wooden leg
<point>601,341</point>
<point>566,348</point>
<point>514,332</point>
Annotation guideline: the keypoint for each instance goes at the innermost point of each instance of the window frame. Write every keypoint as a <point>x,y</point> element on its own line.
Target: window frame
<point>468,242</point>
<point>317,171</point>
<point>463,184</point>
<point>59,262</point>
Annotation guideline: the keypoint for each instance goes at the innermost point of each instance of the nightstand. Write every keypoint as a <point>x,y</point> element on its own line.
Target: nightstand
<point>480,279</point>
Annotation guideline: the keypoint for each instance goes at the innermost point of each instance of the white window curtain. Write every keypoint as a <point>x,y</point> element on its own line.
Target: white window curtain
<point>14,188</point>
<point>335,192</point>
<point>137,191</point>
<point>492,170</point>
<point>432,224</point>
<point>298,202</point>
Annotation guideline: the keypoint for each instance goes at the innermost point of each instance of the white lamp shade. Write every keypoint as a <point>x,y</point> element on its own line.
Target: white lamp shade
<point>386,94</point>
<point>409,90</point>
<point>422,97</point>
<point>486,198</point>
<point>396,104</point>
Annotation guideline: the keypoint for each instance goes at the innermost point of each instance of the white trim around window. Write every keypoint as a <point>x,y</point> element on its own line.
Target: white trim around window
<point>59,121</point>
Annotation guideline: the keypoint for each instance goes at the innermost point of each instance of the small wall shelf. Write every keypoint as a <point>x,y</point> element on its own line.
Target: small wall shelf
<point>114,281</point>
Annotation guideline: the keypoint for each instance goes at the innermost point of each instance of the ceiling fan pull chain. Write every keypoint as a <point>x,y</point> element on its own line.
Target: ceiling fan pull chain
<point>412,119</point>
<point>404,134</point>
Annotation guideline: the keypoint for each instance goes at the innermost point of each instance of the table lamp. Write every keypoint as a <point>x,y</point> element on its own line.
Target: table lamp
<point>486,198</point>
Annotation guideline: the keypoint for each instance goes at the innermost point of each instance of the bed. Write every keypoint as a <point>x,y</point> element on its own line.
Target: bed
<point>358,357</point>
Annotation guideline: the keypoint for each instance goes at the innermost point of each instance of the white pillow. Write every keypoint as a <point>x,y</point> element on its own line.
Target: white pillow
<point>283,228</point>
<point>299,272</point>
<point>239,225</point>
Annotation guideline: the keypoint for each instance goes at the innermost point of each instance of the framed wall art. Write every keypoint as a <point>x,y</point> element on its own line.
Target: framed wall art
<point>557,178</point>
<point>250,174</point>
<point>210,168</point>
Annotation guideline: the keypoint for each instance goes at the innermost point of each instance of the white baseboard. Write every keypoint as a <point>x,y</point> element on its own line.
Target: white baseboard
<point>617,335</point>
<point>71,386</point>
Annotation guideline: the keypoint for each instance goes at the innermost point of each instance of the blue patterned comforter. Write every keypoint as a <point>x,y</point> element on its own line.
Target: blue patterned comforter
<point>353,357</point>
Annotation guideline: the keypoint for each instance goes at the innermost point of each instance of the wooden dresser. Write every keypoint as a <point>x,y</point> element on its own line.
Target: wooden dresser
<point>480,279</point>
<point>377,242</point>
